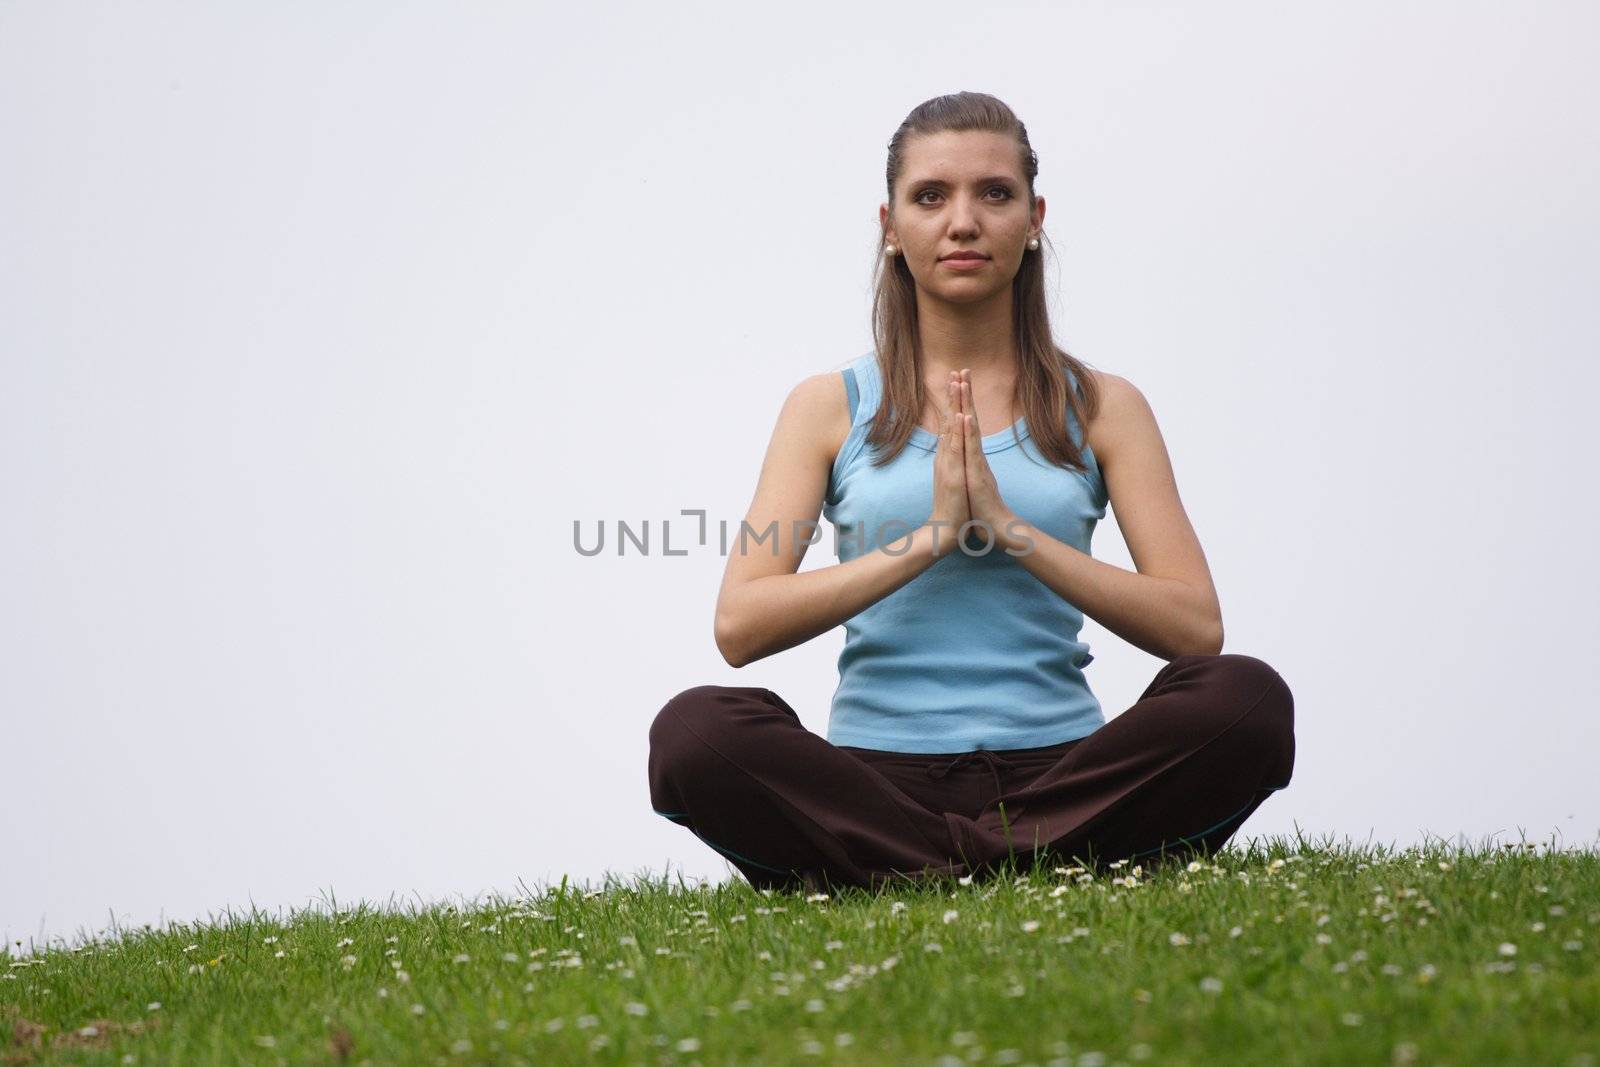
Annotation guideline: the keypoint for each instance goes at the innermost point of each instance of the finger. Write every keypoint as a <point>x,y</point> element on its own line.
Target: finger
<point>952,438</point>
<point>953,418</point>
<point>966,400</point>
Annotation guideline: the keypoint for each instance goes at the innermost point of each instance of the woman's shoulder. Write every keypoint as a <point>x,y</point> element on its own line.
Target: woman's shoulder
<point>820,406</point>
<point>1118,400</point>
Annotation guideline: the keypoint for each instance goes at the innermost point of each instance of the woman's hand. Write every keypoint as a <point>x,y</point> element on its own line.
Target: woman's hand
<point>983,492</point>
<point>950,508</point>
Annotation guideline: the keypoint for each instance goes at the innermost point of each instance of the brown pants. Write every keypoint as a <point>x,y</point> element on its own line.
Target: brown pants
<point>1172,777</point>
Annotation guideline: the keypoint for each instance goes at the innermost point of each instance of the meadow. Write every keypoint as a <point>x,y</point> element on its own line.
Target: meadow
<point>1273,952</point>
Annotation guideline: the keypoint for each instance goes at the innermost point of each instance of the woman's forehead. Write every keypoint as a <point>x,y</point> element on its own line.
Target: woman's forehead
<point>959,154</point>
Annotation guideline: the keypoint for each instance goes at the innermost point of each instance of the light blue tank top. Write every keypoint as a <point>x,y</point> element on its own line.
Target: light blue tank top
<point>974,652</point>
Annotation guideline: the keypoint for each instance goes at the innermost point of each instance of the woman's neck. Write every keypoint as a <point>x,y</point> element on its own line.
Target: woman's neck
<point>976,336</point>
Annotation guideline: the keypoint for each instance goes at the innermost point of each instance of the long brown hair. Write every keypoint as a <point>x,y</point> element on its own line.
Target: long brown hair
<point>1042,384</point>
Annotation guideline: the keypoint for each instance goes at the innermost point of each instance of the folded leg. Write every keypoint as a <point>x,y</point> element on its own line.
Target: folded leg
<point>786,807</point>
<point>1178,772</point>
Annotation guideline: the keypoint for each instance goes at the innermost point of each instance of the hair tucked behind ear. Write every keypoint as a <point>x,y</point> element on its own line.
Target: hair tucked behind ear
<point>1042,384</point>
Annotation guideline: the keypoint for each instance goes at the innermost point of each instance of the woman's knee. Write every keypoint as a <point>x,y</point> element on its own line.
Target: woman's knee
<point>1238,677</point>
<point>1271,715</point>
<point>1243,668</point>
<point>677,755</point>
<point>697,720</point>
<point>1231,679</point>
<point>681,713</point>
<point>1251,686</point>
<point>1276,700</point>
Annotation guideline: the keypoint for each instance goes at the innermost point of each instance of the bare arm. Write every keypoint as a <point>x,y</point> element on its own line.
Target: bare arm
<point>765,605</point>
<point>1169,607</point>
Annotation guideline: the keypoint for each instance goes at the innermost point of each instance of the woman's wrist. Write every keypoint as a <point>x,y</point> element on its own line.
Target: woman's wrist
<point>942,537</point>
<point>1013,534</point>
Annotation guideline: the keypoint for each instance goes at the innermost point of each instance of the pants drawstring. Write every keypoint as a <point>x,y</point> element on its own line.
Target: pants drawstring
<point>938,771</point>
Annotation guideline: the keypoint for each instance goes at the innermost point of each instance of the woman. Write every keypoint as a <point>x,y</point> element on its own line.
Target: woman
<point>963,738</point>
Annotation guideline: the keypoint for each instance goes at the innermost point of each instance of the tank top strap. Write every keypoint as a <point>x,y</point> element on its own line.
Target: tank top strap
<point>1072,420</point>
<point>864,387</point>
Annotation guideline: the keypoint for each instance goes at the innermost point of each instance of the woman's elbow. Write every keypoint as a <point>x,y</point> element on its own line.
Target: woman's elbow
<point>1209,643</point>
<point>726,634</point>
<point>1204,642</point>
<point>734,658</point>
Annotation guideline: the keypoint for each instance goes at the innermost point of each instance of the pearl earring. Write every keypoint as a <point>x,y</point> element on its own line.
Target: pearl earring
<point>889,250</point>
<point>1033,244</point>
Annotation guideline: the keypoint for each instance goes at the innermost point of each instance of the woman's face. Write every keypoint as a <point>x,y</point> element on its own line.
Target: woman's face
<point>961,192</point>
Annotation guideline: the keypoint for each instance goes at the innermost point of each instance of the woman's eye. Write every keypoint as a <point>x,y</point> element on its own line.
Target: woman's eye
<point>935,192</point>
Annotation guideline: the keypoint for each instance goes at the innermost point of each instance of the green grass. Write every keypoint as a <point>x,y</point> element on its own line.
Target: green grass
<point>1272,953</point>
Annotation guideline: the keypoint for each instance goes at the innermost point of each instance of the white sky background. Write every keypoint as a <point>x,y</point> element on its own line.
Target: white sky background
<point>321,325</point>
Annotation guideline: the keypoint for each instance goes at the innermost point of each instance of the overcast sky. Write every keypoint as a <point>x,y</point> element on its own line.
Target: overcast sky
<point>322,323</point>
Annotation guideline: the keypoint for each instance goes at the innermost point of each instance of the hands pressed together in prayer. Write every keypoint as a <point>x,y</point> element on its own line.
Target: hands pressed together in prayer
<point>964,488</point>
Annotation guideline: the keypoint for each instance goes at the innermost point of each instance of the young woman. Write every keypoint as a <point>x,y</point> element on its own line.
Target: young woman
<point>963,738</point>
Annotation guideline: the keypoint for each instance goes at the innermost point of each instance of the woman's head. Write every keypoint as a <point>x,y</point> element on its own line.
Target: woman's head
<point>960,177</point>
